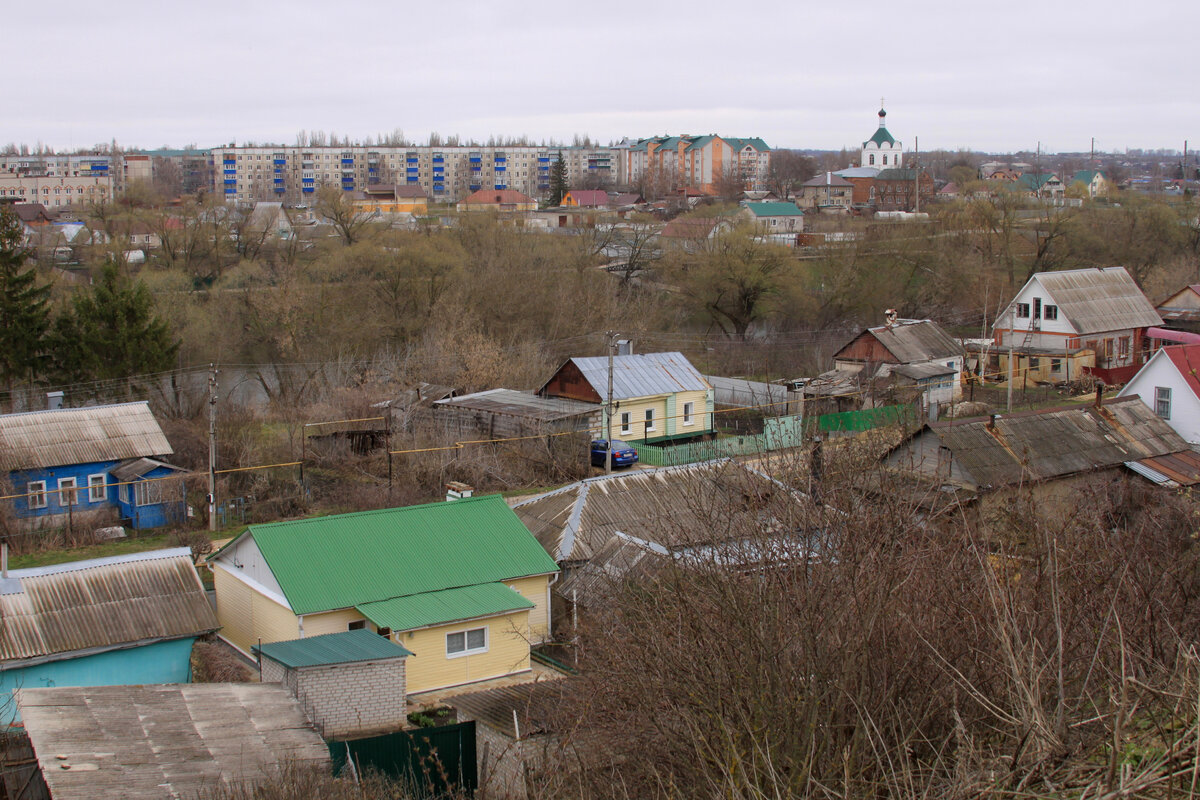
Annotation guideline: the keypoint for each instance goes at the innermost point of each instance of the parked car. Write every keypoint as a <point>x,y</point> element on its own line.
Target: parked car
<point>622,455</point>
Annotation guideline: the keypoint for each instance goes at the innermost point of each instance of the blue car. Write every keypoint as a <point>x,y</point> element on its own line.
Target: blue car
<point>622,455</point>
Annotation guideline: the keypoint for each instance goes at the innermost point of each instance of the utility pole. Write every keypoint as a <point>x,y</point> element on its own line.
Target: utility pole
<point>917,172</point>
<point>212,447</point>
<point>612,344</point>
<point>1012,340</point>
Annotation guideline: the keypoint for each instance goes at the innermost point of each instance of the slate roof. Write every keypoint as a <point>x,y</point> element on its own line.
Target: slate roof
<point>640,375</point>
<point>163,741</point>
<point>51,612</point>
<point>669,506</point>
<point>496,197</point>
<point>346,647</point>
<point>43,439</point>
<point>520,404</point>
<point>911,341</point>
<point>690,227</point>
<point>531,704</point>
<point>896,174</point>
<point>829,179</point>
<point>347,560</point>
<point>1055,443</point>
<point>1097,300</point>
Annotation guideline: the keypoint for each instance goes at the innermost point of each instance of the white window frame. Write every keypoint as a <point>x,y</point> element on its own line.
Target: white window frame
<point>626,422</point>
<point>689,411</point>
<point>1162,401</point>
<point>68,491</point>
<point>147,493</point>
<point>36,496</point>
<point>650,420</point>
<point>467,650</point>
<point>102,486</point>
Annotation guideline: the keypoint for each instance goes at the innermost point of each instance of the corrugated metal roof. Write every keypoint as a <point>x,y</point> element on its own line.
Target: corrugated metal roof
<point>521,404</point>
<point>333,648</point>
<point>42,439</point>
<point>1174,469</point>
<point>641,375</point>
<point>170,740</point>
<point>448,605</point>
<point>670,506</point>
<point>1097,300</point>
<point>532,703</point>
<point>108,602</point>
<point>137,468</point>
<point>346,560</point>
<point>1058,442</point>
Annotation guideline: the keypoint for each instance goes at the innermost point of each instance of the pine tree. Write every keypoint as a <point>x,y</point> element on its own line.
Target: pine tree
<point>24,313</point>
<point>111,332</point>
<point>558,181</point>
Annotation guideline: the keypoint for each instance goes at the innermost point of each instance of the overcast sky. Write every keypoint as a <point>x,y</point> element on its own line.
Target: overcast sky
<point>797,73</point>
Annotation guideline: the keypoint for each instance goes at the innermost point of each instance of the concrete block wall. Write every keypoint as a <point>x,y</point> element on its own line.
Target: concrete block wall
<point>502,762</point>
<point>348,699</point>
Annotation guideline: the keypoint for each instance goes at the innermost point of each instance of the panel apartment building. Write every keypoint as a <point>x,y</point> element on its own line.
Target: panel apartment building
<point>56,181</point>
<point>698,162</point>
<point>447,174</point>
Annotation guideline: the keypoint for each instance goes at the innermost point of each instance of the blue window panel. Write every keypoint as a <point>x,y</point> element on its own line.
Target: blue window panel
<point>229,181</point>
<point>411,170</point>
<point>278,172</point>
<point>439,160</point>
<point>99,167</point>
<point>500,169</point>
<point>439,189</point>
<point>500,159</point>
<point>593,167</point>
<point>412,178</point>
<point>475,160</point>
<point>439,169</point>
<point>501,186</point>
<point>476,170</point>
<point>230,190</point>
<point>410,160</point>
<point>231,161</point>
<point>543,160</point>
<point>475,187</point>
<point>307,180</point>
<point>371,170</point>
<point>281,161</point>
<point>279,180</point>
<point>309,189</point>
<point>279,189</point>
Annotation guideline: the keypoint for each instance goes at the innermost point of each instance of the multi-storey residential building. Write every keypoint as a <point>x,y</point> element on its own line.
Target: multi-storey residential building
<point>446,173</point>
<point>697,162</point>
<point>56,181</point>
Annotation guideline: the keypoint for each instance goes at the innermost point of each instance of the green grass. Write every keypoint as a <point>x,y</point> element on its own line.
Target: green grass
<point>135,544</point>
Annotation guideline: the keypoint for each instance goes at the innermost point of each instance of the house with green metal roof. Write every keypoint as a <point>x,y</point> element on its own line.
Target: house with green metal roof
<point>775,217</point>
<point>464,586</point>
<point>1097,182</point>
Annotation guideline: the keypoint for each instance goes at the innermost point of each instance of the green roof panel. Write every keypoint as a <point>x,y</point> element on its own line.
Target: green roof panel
<point>342,561</point>
<point>332,648</point>
<point>448,605</point>
<point>770,209</point>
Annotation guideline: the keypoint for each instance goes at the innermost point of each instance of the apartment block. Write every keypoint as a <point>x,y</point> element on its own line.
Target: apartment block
<point>697,162</point>
<point>56,181</point>
<point>446,174</point>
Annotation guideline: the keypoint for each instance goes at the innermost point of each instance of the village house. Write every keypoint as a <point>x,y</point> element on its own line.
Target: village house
<point>902,189</point>
<point>1095,181</point>
<point>693,233</point>
<point>656,396</point>
<point>1169,385</point>
<point>70,463</point>
<point>904,352</point>
<point>1073,321</point>
<point>462,585</point>
<point>391,199</point>
<point>1042,185</point>
<point>585,198</point>
<point>827,192</point>
<point>117,620</point>
<point>863,181</point>
<point>774,218</point>
<point>1182,309</point>
<point>498,413</point>
<point>502,200</point>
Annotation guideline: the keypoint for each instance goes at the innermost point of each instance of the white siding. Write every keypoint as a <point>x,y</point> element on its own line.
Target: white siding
<point>1185,406</point>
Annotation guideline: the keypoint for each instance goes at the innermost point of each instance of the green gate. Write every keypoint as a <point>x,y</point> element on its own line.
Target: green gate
<point>433,761</point>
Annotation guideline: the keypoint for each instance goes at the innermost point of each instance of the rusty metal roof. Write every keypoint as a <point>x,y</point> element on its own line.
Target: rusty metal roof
<point>43,439</point>
<point>1097,300</point>
<point>1056,443</point>
<point>669,506</point>
<point>521,404</point>
<point>47,613</point>
<point>162,741</point>
<point>1175,469</point>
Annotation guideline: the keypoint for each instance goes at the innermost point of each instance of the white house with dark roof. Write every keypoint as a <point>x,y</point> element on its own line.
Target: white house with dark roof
<point>1056,314</point>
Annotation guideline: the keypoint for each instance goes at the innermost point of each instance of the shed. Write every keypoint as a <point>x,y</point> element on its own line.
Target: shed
<point>350,683</point>
<point>498,413</point>
<point>156,742</point>
<point>116,620</point>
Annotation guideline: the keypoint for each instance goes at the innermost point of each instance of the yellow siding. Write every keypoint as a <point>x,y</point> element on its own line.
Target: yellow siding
<point>536,591</point>
<point>245,615</point>
<point>429,668</point>
<point>662,426</point>
<point>701,419</point>
<point>331,622</point>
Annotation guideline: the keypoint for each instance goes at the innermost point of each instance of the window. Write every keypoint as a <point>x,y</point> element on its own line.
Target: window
<point>1056,365</point>
<point>649,419</point>
<point>148,493</point>
<point>872,162</point>
<point>688,410</point>
<point>67,496</point>
<point>36,491</point>
<point>626,422</point>
<point>1037,308</point>
<point>1022,310</point>
<point>356,625</point>
<point>1035,362</point>
<point>97,488</point>
<point>1123,347</point>
<point>1162,401</point>
<point>464,643</point>
<point>1050,312</point>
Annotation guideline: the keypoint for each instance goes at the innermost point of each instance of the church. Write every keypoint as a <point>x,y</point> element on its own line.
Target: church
<point>882,151</point>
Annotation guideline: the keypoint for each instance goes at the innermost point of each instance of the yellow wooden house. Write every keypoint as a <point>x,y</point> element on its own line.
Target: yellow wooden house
<point>656,396</point>
<point>463,585</point>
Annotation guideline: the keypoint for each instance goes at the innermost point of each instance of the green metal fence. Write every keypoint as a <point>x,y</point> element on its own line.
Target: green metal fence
<point>433,761</point>
<point>868,419</point>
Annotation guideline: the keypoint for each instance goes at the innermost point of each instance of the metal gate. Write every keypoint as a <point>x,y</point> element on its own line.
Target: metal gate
<point>432,760</point>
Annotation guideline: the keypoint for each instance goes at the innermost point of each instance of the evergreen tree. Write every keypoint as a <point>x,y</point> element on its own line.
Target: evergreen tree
<point>558,181</point>
<point>24,313</point>
<point>111,332</point>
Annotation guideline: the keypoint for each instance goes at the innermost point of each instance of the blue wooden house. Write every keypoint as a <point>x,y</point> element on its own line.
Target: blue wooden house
<point>115,621</point>
<point>69,462</point>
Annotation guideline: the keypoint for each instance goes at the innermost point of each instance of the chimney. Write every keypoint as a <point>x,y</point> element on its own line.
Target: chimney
<point>1099,395</point>
<point>4,559</point>
<point>889,317</point>
<point>991,423</point>
<point>456,490</point>
<point>54,400</point>
<point>624,347</point>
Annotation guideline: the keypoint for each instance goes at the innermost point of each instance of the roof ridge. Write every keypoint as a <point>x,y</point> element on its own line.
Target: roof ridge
<point>372,512</point>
